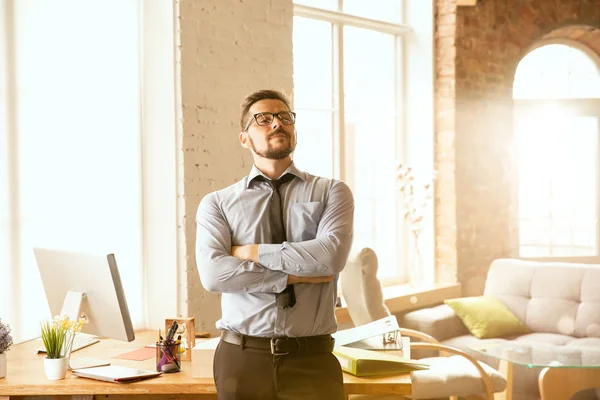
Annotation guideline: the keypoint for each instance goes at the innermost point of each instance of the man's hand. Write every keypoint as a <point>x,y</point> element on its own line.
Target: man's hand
<point>248,252</point>
<point>308,279</point>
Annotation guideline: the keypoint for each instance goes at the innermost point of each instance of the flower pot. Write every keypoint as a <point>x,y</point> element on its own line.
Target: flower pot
<point>56,368</point>
<point>2,365</point>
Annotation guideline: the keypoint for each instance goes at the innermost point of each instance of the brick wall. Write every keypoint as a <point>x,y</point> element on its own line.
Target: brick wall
<point>490,40</point>
<point>227,49</point>
<point>445,127</point>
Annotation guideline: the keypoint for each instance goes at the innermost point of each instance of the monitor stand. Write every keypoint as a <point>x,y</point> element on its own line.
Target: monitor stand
<point>72,305</point>
<point>72,308</point>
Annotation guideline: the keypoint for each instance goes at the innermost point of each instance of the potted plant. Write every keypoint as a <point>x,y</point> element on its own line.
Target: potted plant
<point>58,336</point>
<point>6,341</point>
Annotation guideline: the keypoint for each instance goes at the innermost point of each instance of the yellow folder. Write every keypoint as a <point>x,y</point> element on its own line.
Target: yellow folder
<point>361,362</point>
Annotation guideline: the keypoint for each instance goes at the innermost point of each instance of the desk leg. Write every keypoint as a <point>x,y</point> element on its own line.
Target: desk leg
<point>4,397</point>
<point>563,383</point>
<point>506,369</point>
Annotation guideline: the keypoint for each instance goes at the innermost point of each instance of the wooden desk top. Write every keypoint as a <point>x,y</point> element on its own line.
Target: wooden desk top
<point>26,377</point>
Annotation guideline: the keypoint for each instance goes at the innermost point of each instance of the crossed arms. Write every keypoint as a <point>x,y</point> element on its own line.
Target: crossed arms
<point>271,267</point>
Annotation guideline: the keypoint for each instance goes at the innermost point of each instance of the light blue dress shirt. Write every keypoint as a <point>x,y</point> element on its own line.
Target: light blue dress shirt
<point>318,217</point>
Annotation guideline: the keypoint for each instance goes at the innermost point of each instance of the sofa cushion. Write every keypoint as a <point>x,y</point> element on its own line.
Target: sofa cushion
<point>455,375</point>
<point>486,317</point>
<point>552,297</point>
<point>587,323</point>
<point>585,343</point>
<point>441,322</point>
<point>545,338</point>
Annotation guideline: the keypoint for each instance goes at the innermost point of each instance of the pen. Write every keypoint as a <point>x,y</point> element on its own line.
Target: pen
<point>172,330</point>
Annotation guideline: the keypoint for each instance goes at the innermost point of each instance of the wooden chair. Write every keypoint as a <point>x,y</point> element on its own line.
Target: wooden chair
<point>455,374</point>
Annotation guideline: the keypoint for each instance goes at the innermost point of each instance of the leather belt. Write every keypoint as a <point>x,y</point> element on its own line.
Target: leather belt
<point>282,345</point>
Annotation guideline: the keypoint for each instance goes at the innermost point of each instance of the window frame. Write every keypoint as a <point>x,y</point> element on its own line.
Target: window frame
<point>160,128</point>
<point>410,57</point>
<point>582,107</point>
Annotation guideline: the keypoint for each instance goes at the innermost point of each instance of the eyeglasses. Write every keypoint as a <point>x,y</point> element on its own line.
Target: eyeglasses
<point>266,118</point>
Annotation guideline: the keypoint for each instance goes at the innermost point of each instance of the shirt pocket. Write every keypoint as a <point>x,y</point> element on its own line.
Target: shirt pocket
<point>305,218</point>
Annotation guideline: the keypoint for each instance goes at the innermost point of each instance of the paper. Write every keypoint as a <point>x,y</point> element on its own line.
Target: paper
<point>142,354</point>
<point>361,362</point>
<point>208,344</point>
<point>380,327</point>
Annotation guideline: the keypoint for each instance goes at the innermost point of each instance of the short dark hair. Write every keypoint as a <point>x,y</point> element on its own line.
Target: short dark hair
<point>266,94</point>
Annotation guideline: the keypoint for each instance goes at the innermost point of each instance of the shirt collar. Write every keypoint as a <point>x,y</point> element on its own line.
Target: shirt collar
<point>254,172</point>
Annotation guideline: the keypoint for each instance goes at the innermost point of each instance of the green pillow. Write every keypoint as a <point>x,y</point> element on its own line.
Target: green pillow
<point>486,317</point>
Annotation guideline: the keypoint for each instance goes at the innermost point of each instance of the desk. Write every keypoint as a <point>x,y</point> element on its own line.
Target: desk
<point>26,376</point>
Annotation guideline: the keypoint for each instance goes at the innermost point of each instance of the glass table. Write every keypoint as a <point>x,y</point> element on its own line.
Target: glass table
<point>565,370</point>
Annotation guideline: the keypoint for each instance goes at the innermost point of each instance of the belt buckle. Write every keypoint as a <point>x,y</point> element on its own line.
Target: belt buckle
<point>274,351</point>
<point>274,348</point>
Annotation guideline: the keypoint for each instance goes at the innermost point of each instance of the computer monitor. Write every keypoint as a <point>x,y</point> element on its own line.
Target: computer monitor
<point>87,286</point>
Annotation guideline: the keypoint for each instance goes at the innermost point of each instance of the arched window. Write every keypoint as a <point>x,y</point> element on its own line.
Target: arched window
<point>557,107</point>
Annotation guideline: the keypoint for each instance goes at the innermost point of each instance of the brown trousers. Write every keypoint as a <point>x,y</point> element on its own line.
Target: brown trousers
<point>255,374</point>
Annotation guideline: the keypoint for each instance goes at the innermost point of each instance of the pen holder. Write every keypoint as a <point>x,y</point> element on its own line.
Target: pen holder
<point>168,357</point>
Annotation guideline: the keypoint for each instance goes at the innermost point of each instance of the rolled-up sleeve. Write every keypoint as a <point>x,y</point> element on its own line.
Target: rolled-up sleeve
<point>219,270</point>
<point>328,252</point>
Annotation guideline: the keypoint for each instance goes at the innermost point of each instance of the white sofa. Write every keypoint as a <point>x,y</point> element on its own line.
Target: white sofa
<point>558,302</point>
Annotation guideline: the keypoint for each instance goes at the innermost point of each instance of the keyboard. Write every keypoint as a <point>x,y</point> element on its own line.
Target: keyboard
<point>81,341</point>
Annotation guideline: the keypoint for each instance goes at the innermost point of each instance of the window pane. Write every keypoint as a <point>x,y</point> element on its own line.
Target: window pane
<point>313,96</point>
<point>558,192</point>
<point>370,137</point>
<point>384,10</point>
<point>312,64</point>
<point>558,155</point>
<point>314,152</point>
<point>79,141</point>
<point>556,71</point>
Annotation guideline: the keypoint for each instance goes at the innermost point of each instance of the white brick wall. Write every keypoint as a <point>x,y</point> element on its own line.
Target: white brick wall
<point>228,48</point>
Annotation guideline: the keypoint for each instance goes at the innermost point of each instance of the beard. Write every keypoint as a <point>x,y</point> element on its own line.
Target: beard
<point>282,151</point>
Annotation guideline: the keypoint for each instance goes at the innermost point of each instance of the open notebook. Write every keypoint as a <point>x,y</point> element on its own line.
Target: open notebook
<point>115,373</point>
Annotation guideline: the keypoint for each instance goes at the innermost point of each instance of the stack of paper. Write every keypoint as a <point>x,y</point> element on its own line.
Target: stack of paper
<point>361,362</point>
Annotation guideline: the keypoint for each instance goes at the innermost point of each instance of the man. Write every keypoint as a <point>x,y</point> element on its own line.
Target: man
<point>274,248</point>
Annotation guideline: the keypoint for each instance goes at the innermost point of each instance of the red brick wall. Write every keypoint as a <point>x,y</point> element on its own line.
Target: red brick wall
<point>490,39</point>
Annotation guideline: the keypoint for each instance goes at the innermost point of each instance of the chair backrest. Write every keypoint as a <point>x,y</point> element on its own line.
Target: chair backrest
<point>361,288</point>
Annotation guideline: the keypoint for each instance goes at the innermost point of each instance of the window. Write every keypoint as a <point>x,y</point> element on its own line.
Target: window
<point>71,165</point>
<point>363,78</point>
<point>556,91</point>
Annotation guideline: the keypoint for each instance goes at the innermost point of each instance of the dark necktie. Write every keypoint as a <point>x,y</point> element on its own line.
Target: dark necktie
<point>287,298</point>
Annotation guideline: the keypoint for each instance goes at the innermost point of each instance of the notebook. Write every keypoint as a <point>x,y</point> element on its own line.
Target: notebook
<point>115,373</point>
<point>361,362</point>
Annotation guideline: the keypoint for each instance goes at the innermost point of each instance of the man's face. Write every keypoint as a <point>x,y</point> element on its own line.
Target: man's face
<point>274,141</point>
